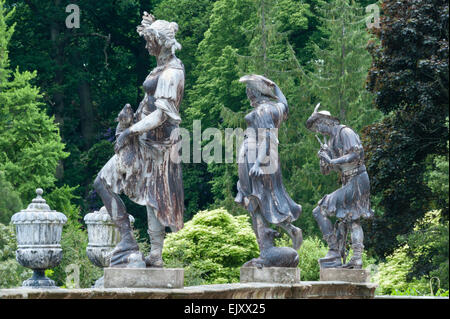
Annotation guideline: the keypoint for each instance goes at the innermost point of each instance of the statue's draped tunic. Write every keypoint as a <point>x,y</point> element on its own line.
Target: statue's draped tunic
<point>352,200</point>
<point>266,192</point>
<point>158,182</point>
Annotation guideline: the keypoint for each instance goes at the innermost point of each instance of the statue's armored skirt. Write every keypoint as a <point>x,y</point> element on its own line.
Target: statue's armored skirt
<point>264,193</point>
<point>352,200</point>
<point>157,181</point>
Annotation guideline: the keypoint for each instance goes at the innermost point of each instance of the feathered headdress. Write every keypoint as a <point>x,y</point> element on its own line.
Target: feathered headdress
<point>316,115</point>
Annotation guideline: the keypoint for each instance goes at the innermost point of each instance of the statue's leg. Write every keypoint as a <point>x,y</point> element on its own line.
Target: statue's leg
<point>333,258</point>
<point>127,245</point>
<point>259,224</point>
<point>156,231</point>
<point>294,232</point>
<point>357,246</point>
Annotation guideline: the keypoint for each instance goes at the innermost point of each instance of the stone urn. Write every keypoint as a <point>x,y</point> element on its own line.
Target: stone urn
<point>38,232</point>
<point>103,237</point>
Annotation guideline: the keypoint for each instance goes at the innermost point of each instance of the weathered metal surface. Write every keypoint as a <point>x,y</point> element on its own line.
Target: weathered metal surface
<point>145,167</point>
<point>343,153</point>
<point>260,187</point>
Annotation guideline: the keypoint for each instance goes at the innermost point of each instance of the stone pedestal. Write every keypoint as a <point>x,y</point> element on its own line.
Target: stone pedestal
<point>343,274</point>
<point>144,278</point>
<point>282,275</point>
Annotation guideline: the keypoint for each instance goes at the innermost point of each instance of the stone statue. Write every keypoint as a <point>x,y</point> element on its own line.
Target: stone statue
<point>146,167</point>
<point>260,187</point>
<point>344,154</point>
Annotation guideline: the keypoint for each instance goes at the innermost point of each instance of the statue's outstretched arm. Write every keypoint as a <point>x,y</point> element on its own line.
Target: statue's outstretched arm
<point>150,122</point>
<point>348,158</point>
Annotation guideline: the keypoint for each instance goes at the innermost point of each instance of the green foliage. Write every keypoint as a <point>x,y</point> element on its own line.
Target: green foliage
<point>30,142</point>
<point>29,139</point>
<point>5,36</point>
<point>212,247</point>
<point>437,177</point>
<point>392,274</point>
<point>311,250</point>
<point>341,64</point>
<point>422,257</point>
<point>10,202</point>
<point>12,274</point>
<point>429,248</point>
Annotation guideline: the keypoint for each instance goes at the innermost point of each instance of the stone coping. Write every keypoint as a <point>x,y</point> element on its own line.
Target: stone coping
<point>302,290</point>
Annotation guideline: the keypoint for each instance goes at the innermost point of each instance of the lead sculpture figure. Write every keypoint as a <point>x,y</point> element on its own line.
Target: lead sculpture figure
<point>344,154</point>
<point>145,167</point>
<point>260,187</point>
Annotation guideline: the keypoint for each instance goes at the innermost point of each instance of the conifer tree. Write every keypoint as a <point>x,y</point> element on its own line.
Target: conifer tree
<point>341,64</point>
<point>30,145</point>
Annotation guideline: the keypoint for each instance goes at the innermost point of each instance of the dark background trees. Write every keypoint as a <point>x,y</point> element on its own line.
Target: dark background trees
<point>409,77</point>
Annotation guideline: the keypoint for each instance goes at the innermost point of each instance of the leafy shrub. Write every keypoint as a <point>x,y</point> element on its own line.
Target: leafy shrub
<point>211,247</point>
<point>391,275</point>
<point>12,274</point>
<point>311,250</point>
<point>422,258</point>
<point>10,202</point>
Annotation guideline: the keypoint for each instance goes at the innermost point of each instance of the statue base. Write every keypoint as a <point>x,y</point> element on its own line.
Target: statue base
<point>282,275</point>
<point>144,278</point>
<point>343,274</point>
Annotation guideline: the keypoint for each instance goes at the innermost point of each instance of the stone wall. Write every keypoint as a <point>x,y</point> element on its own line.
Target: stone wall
<point>303,290</point>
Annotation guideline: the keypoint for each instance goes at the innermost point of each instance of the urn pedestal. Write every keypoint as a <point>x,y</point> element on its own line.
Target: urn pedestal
<point>103,237</point>
<point>38,232</point>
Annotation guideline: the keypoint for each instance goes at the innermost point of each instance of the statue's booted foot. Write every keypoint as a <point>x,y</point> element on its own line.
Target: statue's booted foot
<point>331,260</point>
<point>354,263</point>
<point>127,255</point>
<point>154,261</point>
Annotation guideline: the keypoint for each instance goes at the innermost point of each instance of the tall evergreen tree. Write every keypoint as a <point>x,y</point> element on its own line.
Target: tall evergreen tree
<point>341,64</point>
<point>30,145</point>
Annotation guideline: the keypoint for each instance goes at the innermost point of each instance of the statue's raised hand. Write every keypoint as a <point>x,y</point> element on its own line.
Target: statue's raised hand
<point>323,155</point>
<point>256,170</point>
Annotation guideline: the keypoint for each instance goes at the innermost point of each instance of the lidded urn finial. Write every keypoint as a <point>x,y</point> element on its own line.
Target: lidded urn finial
<point>38,232</point>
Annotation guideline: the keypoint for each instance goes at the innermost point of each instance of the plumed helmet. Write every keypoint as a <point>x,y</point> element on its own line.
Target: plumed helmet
<point>316,115</point>
<point>260,83</point>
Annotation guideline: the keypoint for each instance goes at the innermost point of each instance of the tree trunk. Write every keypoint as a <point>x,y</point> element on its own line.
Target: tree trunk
<point>58,96</point>
<point>86,112</point>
